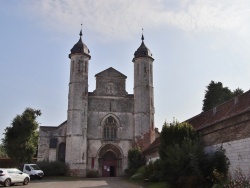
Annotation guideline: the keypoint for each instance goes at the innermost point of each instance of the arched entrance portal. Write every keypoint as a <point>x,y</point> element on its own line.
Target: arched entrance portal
<point>110,160</point>
<point>109,164</point>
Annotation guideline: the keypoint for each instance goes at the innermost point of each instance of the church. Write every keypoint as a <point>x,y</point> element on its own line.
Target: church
<point>104,124</point>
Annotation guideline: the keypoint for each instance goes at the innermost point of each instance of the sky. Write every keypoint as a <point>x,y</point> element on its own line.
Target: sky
<point>192,41</point>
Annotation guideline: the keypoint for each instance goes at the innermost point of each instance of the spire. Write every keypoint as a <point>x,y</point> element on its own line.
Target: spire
<point>142,51</point>
<point>142,37</point>
<point>80,47</point>
<point>81,31</point>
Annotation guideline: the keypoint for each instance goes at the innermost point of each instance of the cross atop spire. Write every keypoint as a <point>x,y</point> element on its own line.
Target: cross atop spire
<point>142,51</point>
<point>142,37</point>
<point>80,47</point>
<point>81,31</point>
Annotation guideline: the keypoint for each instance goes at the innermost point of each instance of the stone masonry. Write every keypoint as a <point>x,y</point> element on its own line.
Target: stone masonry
<point>228,125</point>
<point>102,125</point>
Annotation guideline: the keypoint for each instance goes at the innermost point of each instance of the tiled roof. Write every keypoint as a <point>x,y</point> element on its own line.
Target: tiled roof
<point>50,128</point>
<point>229,109</point>
<point>110,72</point>
<point>154,146</point>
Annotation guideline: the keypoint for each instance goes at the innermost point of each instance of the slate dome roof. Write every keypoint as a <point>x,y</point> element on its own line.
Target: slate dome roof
<point>142,51</point>
<point>80,47</point>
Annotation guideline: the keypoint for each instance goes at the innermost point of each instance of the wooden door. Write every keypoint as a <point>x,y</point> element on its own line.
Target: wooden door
<point>109,164</point>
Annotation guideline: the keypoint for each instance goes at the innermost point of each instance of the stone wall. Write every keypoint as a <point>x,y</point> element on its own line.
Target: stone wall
<point>111,104</point>
<point>121,109</point>
<point>235,128</point>
<point>234,135</point>
<point>238,153</point>
<point>45,136</point>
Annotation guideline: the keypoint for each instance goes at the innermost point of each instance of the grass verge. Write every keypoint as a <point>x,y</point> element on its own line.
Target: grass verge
<point>149,184</point>
<point>158,185</point>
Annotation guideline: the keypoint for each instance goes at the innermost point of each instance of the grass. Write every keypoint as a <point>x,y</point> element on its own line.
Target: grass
<point>149,184</point>
<point>158,185</point>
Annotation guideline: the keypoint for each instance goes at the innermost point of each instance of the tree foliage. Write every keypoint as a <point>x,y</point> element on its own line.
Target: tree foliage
<point>21,138</point>
<point>135,160</point>
<point>176,133</point>
<point>180,151</point>
<point>182,156</point>
<point>2,151</point>
<point>216,94</point>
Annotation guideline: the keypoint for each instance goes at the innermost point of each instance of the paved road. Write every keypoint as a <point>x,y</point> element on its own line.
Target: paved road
<point>80,183</point>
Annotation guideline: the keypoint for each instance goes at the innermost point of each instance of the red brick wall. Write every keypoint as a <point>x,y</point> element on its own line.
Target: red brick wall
<point>235,128</point>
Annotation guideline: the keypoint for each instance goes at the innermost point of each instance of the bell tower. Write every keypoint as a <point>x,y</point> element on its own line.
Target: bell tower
<point>76,138</point>
<point>143,97</point>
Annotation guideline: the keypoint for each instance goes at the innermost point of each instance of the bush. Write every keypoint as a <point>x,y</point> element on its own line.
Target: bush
<point>183,160</point>
<point>215,166</point>
<point>135,161</point>
<point>130,171</point>
<point>53,168</point>
<point>152,168</point>
<point>240,180</point>
<point>136,176</point>
<point>92,174</point>
<point>155,176</point>
<point>141,170</point>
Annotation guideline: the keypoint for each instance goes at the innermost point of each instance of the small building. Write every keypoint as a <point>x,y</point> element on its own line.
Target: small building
<point>151,153</point>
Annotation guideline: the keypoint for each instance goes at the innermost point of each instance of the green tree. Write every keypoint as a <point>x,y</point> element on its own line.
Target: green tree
<point>2,151</point>
<point>216,94</point>
<point>135,160</point>
<point>21,138</point>
<point>183,160</point>
<point>237,92</point>
<point>180,151</point>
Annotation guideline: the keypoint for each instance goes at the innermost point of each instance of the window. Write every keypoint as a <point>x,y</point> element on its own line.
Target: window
<point>145,71</point>
<point>86,66</point>
<point>110,128</point>
<point>61,152</point>
<point>27,168</point>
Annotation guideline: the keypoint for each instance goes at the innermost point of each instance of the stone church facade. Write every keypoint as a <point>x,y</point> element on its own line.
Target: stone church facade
<point>102,125</point>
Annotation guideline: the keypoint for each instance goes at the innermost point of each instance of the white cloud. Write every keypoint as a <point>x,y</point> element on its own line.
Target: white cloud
<point>118,18</point>
<point>225,23</point>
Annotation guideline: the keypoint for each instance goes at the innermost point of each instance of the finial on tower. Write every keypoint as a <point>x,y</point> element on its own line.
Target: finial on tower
<point>142,51</point>
<point>81,31</point>
<point>142,37</point>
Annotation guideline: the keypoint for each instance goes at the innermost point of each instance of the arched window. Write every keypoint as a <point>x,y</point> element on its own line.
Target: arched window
<point>61,152</point>
<point>110,128</point>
